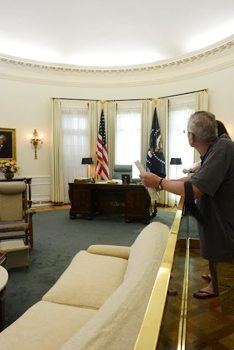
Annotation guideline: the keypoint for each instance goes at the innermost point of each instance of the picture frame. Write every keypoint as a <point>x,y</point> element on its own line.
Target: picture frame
<point>125,179</point>
<point>7,143</point>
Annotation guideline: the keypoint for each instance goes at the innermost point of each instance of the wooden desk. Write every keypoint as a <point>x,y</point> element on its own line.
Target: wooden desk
<point>89,199</point>
<point>28,181</point>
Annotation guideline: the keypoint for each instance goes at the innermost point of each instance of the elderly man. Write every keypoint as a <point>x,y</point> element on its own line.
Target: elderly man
<point>213,189</point>
<point>5,150</point>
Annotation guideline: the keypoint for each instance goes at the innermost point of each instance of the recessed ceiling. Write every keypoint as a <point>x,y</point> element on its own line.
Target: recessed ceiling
<point>111,33</point>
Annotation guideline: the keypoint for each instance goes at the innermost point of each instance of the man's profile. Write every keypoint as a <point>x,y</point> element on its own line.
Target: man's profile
<point>5,147</point>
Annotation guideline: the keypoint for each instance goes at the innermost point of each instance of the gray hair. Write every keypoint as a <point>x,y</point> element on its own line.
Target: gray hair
<point>203,125</point>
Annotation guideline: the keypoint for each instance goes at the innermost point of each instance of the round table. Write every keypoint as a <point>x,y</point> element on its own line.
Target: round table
<point>3,283</point>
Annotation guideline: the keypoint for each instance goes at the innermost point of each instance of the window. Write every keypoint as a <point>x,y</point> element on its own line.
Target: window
<point>128,134</point>
<point>75,141</point>
<point>180,109</point>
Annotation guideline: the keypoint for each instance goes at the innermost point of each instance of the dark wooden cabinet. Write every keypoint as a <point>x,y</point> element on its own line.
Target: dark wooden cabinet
<point>89,199</point>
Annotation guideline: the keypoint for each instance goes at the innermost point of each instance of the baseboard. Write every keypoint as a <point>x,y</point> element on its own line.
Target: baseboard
<point>40,203</point>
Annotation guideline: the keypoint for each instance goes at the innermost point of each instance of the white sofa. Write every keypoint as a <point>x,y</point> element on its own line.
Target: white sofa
<point>98,302</point>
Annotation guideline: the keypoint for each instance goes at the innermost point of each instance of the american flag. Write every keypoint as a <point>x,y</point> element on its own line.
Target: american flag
<point>155,159</point>
<point>102,166</point>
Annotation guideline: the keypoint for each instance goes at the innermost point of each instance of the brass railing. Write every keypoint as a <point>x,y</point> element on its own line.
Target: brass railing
<point>150,328</point>
<point>181,345</point>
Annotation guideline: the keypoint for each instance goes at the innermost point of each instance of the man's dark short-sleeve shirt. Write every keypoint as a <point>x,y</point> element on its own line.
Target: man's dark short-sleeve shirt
<point>215,179</point>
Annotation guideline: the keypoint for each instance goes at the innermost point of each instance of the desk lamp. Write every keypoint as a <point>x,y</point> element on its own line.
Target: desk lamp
<point>88,161</point>
<point>176,162</point>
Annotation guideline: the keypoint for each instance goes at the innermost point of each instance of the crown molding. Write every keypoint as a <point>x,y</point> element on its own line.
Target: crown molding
<point>212,59</point>
<point>214,50</point>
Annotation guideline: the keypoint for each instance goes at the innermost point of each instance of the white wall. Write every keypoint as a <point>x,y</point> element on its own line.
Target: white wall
<point>25,99</point>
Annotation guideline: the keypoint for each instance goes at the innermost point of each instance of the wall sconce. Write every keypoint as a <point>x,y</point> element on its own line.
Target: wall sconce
<point>35,141</point>
<point>88,161</point>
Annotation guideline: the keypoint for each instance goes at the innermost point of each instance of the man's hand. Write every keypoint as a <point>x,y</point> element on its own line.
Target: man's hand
<point>150,180</point>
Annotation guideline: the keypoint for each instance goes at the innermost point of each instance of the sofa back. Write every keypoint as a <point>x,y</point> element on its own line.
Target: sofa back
<point>148,247</point>
<point>117,323</point>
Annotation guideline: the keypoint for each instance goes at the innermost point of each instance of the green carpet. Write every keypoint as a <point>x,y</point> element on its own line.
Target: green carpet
<point>57,239</point>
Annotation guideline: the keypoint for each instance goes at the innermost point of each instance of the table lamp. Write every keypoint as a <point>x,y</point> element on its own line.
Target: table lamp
<point>87,161</point>
<point>176,162</point>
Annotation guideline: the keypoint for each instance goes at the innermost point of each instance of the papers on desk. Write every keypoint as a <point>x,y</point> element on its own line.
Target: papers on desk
<point>109,182</point>
<point>82,179</point>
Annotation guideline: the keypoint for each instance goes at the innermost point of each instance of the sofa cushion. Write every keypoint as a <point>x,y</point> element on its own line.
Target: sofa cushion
<point>45,326</point>
<point>111,250</point>
<point>88,281</point>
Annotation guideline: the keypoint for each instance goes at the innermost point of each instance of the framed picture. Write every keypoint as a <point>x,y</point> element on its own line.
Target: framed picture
<point>125,179</point>
<point>7,143</point>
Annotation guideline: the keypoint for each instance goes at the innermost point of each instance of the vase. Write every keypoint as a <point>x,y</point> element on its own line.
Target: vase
<point>9,175</point>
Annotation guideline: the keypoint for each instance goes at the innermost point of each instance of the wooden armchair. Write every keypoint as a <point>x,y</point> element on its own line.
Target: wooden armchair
<point>15,217</point>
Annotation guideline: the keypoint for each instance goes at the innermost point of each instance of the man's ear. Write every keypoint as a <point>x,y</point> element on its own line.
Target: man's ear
<point>191,139</point>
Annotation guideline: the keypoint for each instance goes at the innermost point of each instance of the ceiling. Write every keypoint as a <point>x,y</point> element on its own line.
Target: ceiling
<point>112,33</point>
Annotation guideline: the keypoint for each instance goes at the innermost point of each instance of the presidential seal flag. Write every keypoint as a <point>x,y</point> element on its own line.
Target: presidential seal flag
<point>155,161</point>
<point>102,166</point>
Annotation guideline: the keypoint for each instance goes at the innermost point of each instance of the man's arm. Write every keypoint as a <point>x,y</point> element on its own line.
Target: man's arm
<point>172,186</point>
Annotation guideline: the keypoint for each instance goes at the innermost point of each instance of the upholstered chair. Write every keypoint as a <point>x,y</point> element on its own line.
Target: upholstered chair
<point>15,217</point>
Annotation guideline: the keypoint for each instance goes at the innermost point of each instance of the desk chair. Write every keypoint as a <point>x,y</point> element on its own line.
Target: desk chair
<point>119,170</point>
<point>15,217</point>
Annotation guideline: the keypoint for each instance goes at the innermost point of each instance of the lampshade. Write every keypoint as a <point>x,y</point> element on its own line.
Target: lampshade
<point>87,161</point>
<point>175,161</point>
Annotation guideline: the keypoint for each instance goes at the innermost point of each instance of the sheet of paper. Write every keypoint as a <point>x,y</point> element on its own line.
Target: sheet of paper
<point>140,166</point>
<point>152,191</point>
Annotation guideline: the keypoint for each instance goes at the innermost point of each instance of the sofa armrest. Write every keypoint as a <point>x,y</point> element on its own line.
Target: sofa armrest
<point>111,250</point>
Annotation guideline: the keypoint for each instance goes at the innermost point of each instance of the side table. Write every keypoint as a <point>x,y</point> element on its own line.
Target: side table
<point>3,282</point>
